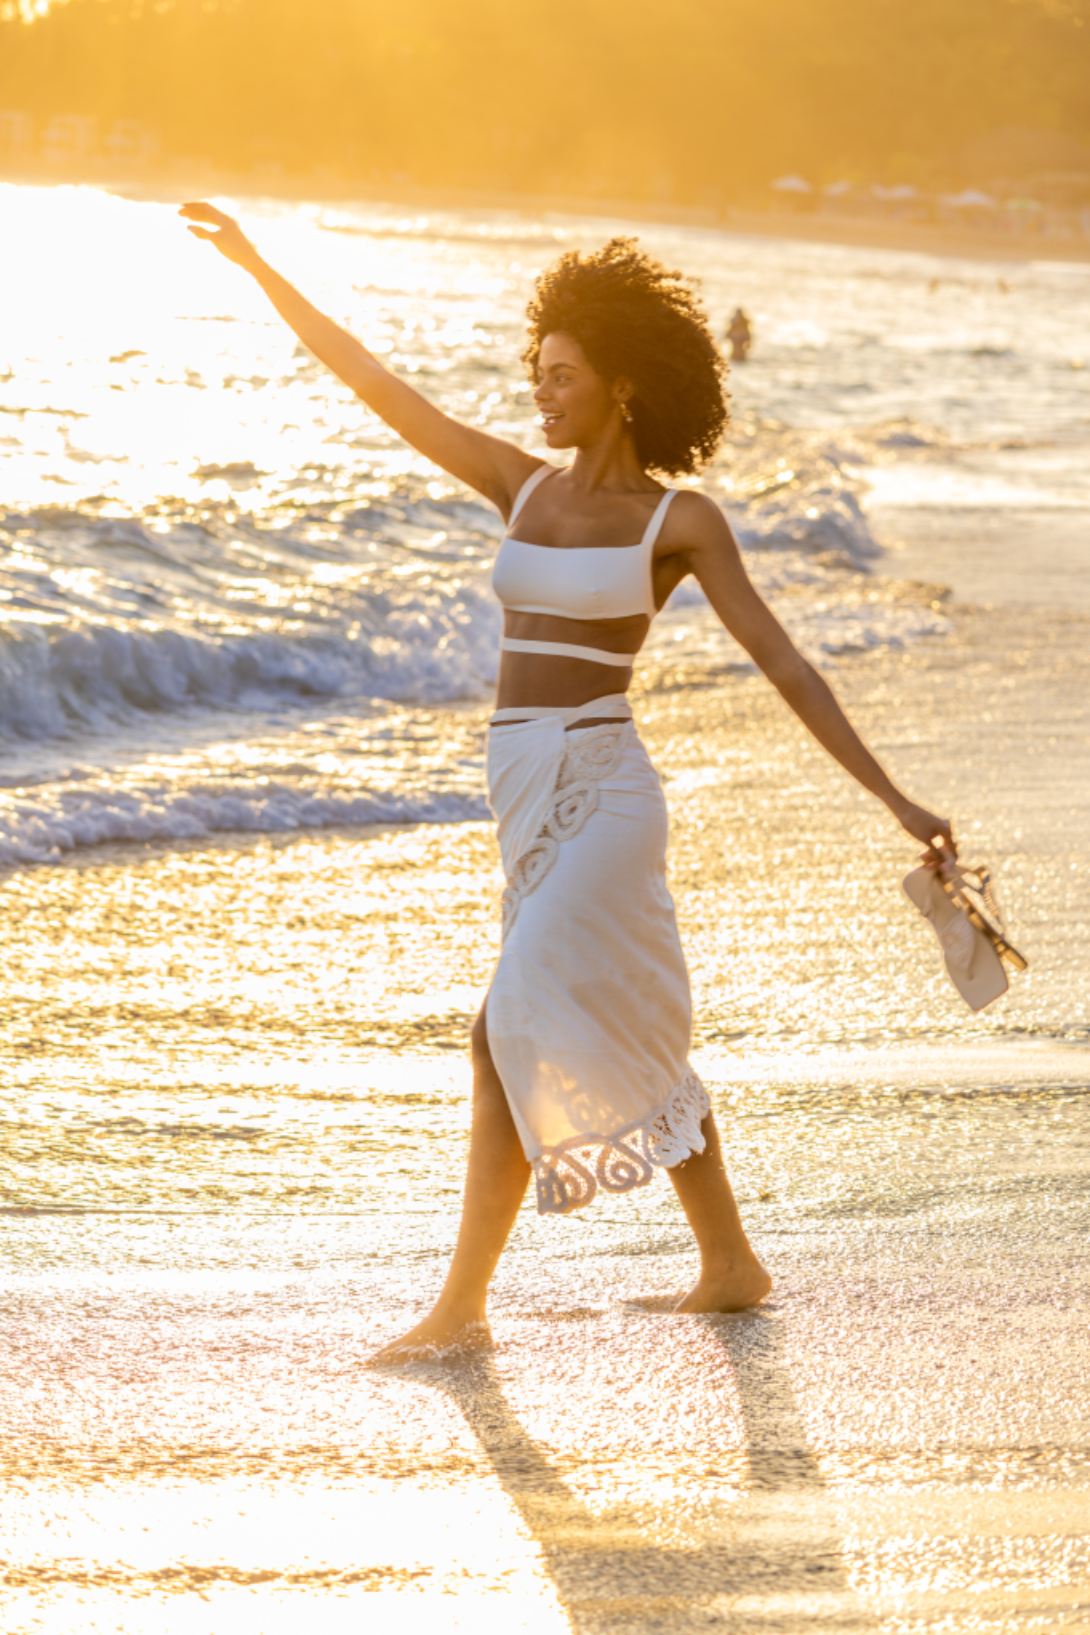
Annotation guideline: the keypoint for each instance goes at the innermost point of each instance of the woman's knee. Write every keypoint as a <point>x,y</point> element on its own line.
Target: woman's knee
<point>487,1086</point>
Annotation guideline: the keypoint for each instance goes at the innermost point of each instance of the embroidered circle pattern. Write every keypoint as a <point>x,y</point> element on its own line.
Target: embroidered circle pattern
<point>567,1177</point>
<point>595,755</point>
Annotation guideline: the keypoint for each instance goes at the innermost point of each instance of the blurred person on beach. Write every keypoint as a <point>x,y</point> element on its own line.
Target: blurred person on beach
<point>740,336</point>
<point>580,1050</point>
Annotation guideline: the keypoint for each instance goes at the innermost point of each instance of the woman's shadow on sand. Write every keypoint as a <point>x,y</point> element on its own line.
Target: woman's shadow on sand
<point>775,1561</point>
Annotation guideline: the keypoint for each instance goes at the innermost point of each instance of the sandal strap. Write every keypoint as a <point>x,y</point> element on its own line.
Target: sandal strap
<point>960,884</point>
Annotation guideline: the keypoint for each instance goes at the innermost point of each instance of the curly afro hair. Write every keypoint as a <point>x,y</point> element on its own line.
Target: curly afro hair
<point>634,317</point>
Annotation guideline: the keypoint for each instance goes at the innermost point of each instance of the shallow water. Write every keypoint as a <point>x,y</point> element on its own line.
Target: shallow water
<point>222,577</point>
<point>234,1100</point>
<point>233,1143</point>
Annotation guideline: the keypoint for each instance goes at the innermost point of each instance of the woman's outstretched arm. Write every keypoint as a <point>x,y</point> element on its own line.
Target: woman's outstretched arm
<point>713,557</point>
<point>494,467</point>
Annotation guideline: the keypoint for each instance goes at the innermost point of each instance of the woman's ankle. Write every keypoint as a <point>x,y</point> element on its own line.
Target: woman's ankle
<point>460,1306</point>
<point>728,1263</point>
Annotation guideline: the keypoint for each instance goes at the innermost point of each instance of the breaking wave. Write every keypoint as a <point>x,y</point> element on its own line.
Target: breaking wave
<point>109,619</point>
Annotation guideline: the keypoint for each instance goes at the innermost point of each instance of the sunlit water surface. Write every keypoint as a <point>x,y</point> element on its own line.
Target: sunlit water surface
<point>226,589</point>
<point>235,1084</point>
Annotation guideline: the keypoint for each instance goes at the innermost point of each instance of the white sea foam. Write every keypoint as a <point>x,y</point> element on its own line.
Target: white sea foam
<point>62,820</point>
<point>181,779</point>
<point>241,553</point>
<point>122,631</point>
<point>111,619</point>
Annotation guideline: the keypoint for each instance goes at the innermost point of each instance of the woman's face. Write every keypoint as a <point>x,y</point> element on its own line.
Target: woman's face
<point>576,403</point>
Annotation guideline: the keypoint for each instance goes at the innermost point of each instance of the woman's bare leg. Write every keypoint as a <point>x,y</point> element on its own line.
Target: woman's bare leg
<point>731,1276</point>
<point>496,1179</point>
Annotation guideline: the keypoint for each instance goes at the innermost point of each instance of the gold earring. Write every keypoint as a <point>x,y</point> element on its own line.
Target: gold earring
<point>626,414</point>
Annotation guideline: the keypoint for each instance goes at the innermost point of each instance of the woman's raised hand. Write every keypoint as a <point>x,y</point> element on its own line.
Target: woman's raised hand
<point>228,236</point>
<point>493,466</point>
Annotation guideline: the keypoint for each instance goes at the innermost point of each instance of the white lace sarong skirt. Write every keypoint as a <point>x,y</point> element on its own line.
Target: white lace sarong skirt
<point>589,1011</point>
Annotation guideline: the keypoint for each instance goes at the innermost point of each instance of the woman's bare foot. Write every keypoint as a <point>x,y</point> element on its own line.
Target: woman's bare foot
<point>732,1288</point>
<point>439,1335</point>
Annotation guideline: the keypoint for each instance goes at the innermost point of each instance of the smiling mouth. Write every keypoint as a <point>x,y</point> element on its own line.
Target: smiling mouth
<point>548,420</point>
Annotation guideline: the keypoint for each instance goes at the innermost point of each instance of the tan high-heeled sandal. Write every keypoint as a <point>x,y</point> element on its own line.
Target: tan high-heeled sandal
<point>964,913</point>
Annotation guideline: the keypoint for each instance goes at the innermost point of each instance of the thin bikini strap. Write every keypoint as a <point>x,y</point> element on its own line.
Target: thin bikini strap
<point>647,544</point>
<point>527,489</point>
<point>651,532</point>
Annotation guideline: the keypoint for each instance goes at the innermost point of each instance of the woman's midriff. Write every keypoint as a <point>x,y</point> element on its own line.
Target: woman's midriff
<point>553,678</point>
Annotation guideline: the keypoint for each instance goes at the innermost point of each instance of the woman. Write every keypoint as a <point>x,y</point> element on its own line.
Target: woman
<point>580,1050</point>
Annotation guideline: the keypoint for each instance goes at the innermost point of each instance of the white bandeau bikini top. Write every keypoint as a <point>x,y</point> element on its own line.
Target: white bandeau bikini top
<point>584,582</point>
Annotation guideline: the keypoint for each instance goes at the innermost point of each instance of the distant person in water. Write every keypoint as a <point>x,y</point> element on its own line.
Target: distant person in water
<point>740,336</point>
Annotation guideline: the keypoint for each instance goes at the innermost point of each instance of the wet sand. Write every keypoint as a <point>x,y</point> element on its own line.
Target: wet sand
<point>923,238</point>
<point>234,1126</point>
<point>177,183</point>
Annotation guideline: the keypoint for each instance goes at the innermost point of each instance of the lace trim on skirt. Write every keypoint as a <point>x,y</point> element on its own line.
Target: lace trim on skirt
<point>568,1176</point>
<point>595,754</point>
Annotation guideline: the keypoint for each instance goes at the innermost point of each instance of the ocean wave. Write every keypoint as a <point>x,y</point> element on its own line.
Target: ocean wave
<point>792,491</point>
<point>830,521</point>
<point>92,677</point>
<point>688,634</point>
<point>107,620</point>
<point>64,820</point>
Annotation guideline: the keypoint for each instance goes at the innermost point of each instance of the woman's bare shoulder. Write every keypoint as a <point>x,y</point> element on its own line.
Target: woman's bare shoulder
<point>514,468</point>
<point>694,519</point>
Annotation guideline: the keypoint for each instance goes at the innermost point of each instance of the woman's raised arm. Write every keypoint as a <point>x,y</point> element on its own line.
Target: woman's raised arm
<point>713,557</point>
<point>494,467</point>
